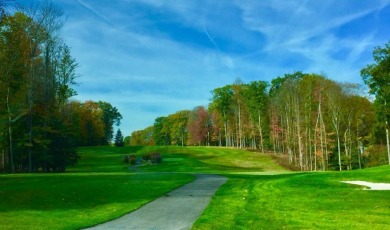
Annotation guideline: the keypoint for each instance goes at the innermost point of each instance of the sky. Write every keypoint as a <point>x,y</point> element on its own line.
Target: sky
<point>151,58</point>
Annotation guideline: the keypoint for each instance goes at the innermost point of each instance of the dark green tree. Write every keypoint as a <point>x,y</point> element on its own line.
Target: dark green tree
<point>119,142</point>
<point>221,102</point>
<point>111,117</point>
<point>256,99</point>
<point>377,77</point>
<point>161,134</point>
<point>127,140</point>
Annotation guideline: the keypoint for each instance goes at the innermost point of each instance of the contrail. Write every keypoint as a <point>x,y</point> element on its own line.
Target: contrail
<point>210,38</point>
<point>96,13</point>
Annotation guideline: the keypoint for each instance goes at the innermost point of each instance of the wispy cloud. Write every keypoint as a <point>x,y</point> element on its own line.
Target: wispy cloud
<point>310,29</point>
<point>151,58</point>
<point>96,13</point>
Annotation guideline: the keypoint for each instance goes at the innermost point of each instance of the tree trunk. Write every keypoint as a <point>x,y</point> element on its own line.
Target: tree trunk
<point>3,160</point>
<point>360,146</point>
<point>316,130</point>
<point>225,125</point>
<point>290,152</point>
<point>261,134</point>
<point>219,137</point>
<point>387,138</point>
<point>300,150</point>
<point>299,136</point>
<point>324,142</point>
<point>11,150</point>
<point>387,142</point>
<point>335,121</point>
<point>338,149</point>
<point>239,141</point>
<point>346,146</point>
<point>30,106</point>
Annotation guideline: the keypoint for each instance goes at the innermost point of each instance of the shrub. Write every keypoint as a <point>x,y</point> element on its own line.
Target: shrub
<point>126,159</point>
<point>132,159</point>
<point>146,157</point>
<point>375,155</point>
<point>156,158</point>
<point>282,160</point>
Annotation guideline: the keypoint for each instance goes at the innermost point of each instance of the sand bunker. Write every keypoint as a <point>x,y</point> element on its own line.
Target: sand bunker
<point>370,185</point>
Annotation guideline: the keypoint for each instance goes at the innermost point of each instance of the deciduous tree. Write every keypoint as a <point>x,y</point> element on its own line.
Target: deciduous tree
<point>377,77</point>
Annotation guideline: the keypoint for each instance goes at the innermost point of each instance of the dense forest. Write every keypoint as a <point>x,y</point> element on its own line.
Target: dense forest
<point>318,123</point>
<point>40,127</point>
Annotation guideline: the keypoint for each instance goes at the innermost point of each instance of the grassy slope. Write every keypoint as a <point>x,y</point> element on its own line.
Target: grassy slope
<point>178,159</point>
<point>300,201</point>
<point>101,187</point>
<point>214,160</point>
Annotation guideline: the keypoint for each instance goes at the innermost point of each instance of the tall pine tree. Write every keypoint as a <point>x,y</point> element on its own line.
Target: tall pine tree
<point>119,139</point>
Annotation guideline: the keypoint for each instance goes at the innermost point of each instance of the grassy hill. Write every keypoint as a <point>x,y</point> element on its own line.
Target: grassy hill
<point>178,159</point>
<point>259,194</point>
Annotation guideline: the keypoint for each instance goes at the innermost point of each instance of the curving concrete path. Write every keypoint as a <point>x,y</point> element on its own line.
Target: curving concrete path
<point>178,209</point>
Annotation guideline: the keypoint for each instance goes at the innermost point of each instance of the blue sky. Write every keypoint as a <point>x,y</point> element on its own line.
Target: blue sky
<point>151,58</point>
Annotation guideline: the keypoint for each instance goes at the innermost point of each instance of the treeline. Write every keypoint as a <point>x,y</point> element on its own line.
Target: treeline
<point>318,123</point>
<point>39,126</point>
<point>93,122</point>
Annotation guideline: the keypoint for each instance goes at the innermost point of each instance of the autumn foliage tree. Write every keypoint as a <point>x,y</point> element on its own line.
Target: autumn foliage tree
<point>40,127</point>
<point>319,124</point>
<point>199,127</point>
<point>37,74</point>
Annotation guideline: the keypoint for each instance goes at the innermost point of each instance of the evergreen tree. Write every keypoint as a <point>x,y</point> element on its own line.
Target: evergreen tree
<point>119,139</point>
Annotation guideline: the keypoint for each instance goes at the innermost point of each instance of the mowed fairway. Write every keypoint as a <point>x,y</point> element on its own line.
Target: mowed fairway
<point>258,194</point>
<point>76,200</point>
<point>101,187</point>
<point>300,201</point>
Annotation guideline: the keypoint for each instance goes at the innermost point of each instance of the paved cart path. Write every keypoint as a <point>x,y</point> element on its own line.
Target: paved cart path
<point>178,209</point>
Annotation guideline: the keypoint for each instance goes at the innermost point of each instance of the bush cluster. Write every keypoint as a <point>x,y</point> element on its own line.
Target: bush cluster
<point>130,159</point>
<point>154,158</point>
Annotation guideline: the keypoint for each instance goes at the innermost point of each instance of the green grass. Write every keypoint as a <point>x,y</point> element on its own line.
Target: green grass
<point>258,194</point>
<point>101,187</point>
<point>299,201</point>
<point>213,160</point>
<point>178,159</point>
<point>76,200</point>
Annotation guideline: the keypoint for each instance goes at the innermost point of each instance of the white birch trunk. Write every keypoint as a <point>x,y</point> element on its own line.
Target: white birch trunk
<point>261,134</point>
